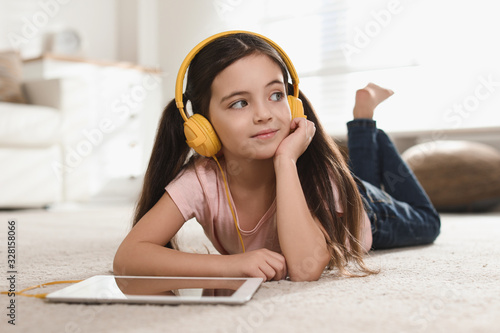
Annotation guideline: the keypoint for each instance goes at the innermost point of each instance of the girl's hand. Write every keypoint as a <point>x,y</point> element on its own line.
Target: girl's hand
<point>261,263</point>
<point>296,143</point>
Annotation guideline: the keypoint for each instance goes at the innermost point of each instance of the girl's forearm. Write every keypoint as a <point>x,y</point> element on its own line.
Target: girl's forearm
<point>301,240</point>
<point>146,258</point>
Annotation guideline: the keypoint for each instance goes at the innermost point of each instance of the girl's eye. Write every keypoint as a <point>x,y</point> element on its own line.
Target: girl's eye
<point>238,105</point>
<point>277,96</point>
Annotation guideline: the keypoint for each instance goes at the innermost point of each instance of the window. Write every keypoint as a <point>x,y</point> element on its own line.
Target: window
<point>441,58</point>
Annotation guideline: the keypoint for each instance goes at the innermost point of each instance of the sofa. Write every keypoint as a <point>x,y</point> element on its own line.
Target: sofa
<point>35,135</point>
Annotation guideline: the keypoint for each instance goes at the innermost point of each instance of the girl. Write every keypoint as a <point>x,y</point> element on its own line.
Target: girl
<point>297,204</point>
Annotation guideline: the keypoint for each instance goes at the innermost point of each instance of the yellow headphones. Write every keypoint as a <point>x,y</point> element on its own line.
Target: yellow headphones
<point>200,135</point>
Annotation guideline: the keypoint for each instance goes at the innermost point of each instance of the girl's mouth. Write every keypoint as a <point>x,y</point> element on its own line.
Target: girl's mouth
<point>265,134</point>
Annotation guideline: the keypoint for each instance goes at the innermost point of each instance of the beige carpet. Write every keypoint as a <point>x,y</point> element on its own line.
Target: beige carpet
<point>450,286</point>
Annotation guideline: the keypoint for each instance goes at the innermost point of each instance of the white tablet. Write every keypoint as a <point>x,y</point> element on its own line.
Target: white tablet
<point>158,290</point>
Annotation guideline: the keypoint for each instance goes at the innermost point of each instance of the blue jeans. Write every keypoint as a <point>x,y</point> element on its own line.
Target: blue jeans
<point>400,211</point>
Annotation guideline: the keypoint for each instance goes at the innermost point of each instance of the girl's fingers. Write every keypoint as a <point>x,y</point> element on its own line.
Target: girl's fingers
<point>302,132</point>
<point>273,266</point>
<point>278,263</point>
<point>312,130</point>
<point>296,122</point>
<point>268,271</point>
<point>308,126</point>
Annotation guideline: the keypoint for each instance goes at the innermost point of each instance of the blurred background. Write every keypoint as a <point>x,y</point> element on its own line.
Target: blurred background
<point>83,82</point>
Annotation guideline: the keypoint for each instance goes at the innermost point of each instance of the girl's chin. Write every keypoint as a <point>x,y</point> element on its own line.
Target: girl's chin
<point>257,156</point>
<point>266,157</point>
<point>251,151</point>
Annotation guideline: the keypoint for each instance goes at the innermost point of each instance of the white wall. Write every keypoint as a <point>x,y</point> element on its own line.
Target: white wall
<point>23,23</point>
<point>148,34</point>
<point>127,30</point>
<point>182,25</point>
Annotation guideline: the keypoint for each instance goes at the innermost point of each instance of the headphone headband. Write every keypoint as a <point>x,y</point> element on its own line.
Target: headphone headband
<point>185,64</point>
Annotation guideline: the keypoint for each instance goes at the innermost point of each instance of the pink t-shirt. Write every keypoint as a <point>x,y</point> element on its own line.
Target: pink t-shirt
<point>199,192</point>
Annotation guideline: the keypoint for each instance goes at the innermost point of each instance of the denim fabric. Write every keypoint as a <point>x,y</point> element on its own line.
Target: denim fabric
<point>400,211</point>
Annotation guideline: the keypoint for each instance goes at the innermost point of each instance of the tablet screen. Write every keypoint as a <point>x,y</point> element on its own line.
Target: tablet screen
<point>177,287</point>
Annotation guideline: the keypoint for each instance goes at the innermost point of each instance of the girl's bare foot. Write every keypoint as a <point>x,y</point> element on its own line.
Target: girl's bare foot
<point>367,100</point>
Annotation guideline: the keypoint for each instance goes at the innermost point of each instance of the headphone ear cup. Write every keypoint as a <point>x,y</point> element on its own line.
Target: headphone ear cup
<point>201,136</point>
<point>296,107</point>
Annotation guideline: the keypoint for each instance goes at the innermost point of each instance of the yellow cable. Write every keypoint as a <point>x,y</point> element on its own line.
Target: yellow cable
<point>230,205</point>
<point>42,295</point>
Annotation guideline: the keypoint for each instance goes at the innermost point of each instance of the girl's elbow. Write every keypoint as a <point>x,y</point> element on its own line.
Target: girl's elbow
<point>309,270</point>
<point>120,262</point>
<point>118,266</point>
<point>305,277</point>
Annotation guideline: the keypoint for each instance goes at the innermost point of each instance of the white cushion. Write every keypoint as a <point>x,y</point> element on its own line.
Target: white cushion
<point>29,125</point>
<point>28,177</point>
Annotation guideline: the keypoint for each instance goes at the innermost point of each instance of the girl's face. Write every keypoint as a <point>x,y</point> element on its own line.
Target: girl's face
<point>249,109</point>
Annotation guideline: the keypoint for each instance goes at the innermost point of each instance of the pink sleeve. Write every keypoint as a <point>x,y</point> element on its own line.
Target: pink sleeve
<point>187,193</point>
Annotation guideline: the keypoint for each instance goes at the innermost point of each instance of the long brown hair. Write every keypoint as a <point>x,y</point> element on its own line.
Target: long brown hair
<point>319,165</point>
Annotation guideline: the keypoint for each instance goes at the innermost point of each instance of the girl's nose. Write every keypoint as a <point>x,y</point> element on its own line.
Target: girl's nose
<point>261,113</point>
